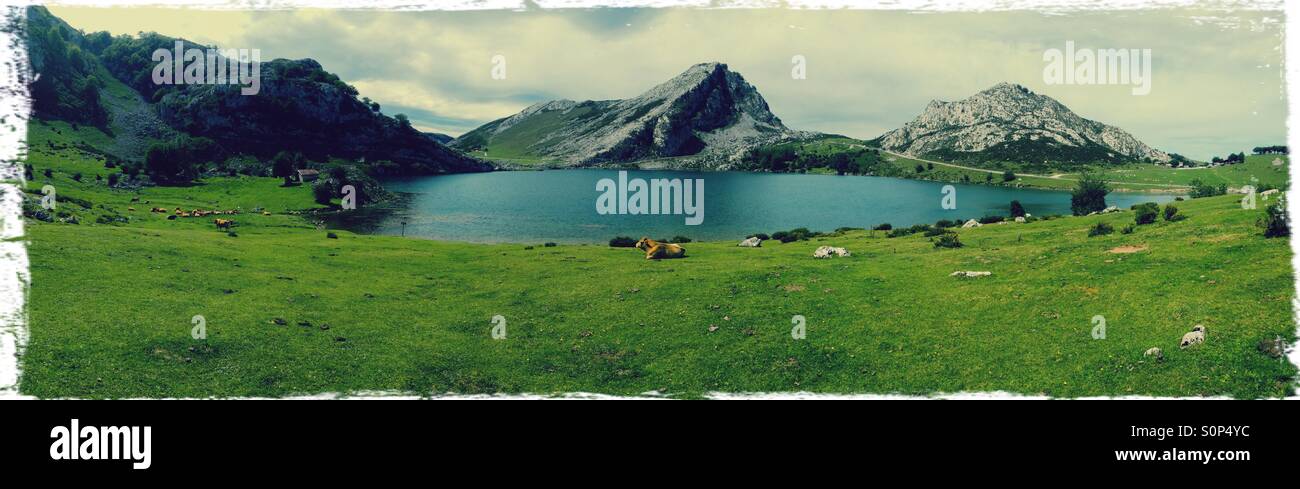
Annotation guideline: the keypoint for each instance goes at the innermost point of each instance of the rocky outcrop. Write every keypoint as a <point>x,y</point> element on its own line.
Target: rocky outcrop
<point>1009,122</point>
<point>708,114</point>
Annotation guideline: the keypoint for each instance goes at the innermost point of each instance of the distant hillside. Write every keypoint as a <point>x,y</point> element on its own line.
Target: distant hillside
<point>708,113</point>
<point>300,106</point>
<point>1009,122</point>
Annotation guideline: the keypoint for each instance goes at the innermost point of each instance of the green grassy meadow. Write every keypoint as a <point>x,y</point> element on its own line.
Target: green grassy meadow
<point>110,306</point>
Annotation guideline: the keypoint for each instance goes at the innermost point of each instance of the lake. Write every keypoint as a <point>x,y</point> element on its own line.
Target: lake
<point>560,205</point>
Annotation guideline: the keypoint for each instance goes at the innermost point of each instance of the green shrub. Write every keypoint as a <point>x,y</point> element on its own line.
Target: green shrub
<point>622,242</point>
<point>1146,213</point>
<point>1089,195</point>
<point>1276,222</point>
<point>879,227</point>
<point>1171,213</point>
<point>991,219</point>
<point>796,234</point>
<point>676,239</point>
<point>322,192</point>
<point>549,244</point>
<point>948,240</point>
<point>1100,229</point>
<point>1127,229</point>
<point>1017,210</point>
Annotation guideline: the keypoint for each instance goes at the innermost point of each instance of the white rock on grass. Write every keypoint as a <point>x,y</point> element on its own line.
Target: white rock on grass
<point>1155,352</point>
<point>830,251</point>
<point>960,273</point>
<point>751,242</point>
<point>971,224</point>
<point>1195,337</point>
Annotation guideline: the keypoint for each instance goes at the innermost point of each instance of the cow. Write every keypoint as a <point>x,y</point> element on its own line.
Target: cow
<point>655,250</point>
<point>223,223</point>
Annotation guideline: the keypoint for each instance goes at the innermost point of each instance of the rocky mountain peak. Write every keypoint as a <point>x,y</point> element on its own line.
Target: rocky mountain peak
<point>1010,122</point>
<point>706,110</point>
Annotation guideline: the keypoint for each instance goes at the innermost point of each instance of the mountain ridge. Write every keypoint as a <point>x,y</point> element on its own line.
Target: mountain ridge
<point>707,113</point>
<point>1010,122</point>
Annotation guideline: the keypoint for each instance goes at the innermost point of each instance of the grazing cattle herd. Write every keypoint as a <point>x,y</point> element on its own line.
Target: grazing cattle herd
<point>221,223</point>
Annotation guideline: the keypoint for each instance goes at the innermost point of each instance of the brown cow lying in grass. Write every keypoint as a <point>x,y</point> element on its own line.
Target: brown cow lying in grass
<point>655,250</point>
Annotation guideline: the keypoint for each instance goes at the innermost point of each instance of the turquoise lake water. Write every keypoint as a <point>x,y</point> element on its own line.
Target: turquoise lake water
<point>560,205</point>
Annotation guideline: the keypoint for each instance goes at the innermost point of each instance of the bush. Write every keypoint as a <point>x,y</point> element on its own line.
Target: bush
<point>178,161</point>
<point>48,173</point>
<point>1100,229</point>
<point>883,227</point>
<point>1127,229</point>
<point>948,240</point>
<point>1008,176</point>
<point>1276,222</point>
<point>549,245</point>
<point>1017,210</point>
<point>331,236</point>
<point>113,179</point>
<point>1146,213</point>
<point>1171,213</point>
<point>796,234</point>
<point>622,242</point>
<point>322,192</point>
<point>1201,189</point>
<point>991,219</point>
<point>932,232</point>
<point>677,239</point>
<point>944,223</point>
<point>76,176</point>
<point>1089,196</point>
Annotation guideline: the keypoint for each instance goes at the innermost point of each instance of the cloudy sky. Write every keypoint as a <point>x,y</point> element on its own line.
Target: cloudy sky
<point>1217,78</point>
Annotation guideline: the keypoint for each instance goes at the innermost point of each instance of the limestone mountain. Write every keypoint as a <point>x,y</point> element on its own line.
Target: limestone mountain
<point>1008,122</point>
<point>709,116</point>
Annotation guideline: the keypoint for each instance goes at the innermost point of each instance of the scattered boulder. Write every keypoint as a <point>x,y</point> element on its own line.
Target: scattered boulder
<point>1020,218</point>
<point>1110,209</point>
<point>1155,352</point>
<point>830,251</point>
<point>969,274</point>
<point>751,242</point>
<point>971,224</point>
<point>1195,337</point>
<point>1274,348</point>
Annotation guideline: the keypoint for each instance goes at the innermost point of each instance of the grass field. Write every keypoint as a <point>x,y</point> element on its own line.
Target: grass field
<point>110,307</point>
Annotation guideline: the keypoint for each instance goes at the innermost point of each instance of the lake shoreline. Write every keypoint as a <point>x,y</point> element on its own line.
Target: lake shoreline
<point>500,166</point>
<point>537,207</point>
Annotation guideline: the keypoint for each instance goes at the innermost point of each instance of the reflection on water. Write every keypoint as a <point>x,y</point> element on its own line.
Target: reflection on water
<point>560,206</point>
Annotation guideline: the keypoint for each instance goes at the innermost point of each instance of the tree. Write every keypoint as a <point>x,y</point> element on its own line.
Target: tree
<point>1008,176</point>
<point>1017,210</point>
<point>179,160</point>
<point>1276,222</point>
<point>285,163</point>
<point>1089,196</point>
<point>1146,213</point>
<point>322,192</point>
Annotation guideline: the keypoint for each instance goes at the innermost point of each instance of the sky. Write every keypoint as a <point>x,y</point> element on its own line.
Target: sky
<point>1217,78</point>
